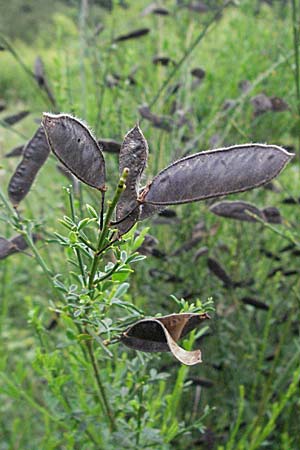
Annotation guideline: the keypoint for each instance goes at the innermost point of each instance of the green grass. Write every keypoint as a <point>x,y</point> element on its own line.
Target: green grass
<point>47,390</point>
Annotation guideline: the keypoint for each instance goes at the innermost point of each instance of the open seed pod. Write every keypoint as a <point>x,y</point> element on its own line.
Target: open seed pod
<point>160,334</point>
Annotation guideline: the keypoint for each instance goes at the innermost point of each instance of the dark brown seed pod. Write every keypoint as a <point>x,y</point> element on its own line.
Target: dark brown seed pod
<point>200,252</point>
<point>147,210</point>
<point>199,7</point>
<point>17,151</point>
<point>163,60</point>
<point>216,173</point>
<point>160,334</point>
<point>15,118</point>
<point>203,382</point>
<point>109,145</point>
<point>255,303</point>
<point>76,148</point>
<point>154,9</point>
<point>40,76</point>
<point>198,73</point>
<point>162,122</point>
<point>237,210</point>
<point>278,104</point>
<point>35,154</point>
<point>216,268</point>
<point>133,155</point>
<point>272,214</point>
<point>14,245</point>
<point>132,35</point>
<point>2,105</point>
<point>187,246</point>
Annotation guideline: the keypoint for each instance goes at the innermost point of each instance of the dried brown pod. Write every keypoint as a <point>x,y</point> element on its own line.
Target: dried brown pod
<point>132,35</point>
<point>15,118</point>
<point>291,201</point>
<point>255,302</point>
<point>198,72</point>
<point>228,104</point>
<point>76,148</point>
<point>237,210</point>
<point>278,104</point>
<point>110,145</point>
<point>34,154</point>
<point>160,334</point>
<point>2,105</point>
<point>216,173</point>
<point>203,382</point>
<point>199,7</point>
<point>189,245</point>
<point>17,151</point>
<point>40,76</point>
<point>162,122</point>
<point>216,268</point>
<point>167,277</point>
<point>155,9</point>
<point>133,156</point>
<point>163,60</point>
<point>272,214</point>
<point>200,252</point>
<point>14,245</point>
<point>261,104</point>
<point>244,86</point>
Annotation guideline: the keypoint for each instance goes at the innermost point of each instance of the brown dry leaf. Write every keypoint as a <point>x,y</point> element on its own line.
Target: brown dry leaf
<point>160,334</point>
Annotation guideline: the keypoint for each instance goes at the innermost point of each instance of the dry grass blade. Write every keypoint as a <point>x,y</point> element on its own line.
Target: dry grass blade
<point>35,154</point>
<point>216,173</point>
<point>76,148</point>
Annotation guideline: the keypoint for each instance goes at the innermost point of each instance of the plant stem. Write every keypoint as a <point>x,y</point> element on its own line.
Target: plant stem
<point>103,232</point>
<point>101,389</point>
<point>77,251</point>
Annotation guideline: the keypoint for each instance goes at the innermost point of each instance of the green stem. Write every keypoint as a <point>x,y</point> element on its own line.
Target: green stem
<point>77,251</point>
<point>101,389</point>
<point>103,232</point>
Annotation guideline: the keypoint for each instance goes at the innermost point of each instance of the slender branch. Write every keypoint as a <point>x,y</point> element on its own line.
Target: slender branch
<point>103,232</point>
<point>101,389</point>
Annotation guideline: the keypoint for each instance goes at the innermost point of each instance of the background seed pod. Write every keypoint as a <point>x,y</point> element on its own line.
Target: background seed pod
<point>35,154</point>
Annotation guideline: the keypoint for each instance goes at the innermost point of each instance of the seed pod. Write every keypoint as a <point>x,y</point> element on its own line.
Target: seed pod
<point>198,73</point>
<point>132,35</point>
<point>11,120</point>
<point>200,252</point>
<point>76,148</point>
<point>254,302</point>
<point>35,154</point>
<point>216,173</point>
<point>163,60</point>
<point>133,155</point>
<point>216,268</point>
<point>154,9</point>
<point>162,122</point>
<point>237,210</point>
<point>109,145</point>
<point>147,210</point>
<point>272,214</point>
<point>17,151</point>
<point>15,245</point>
<point>40,76</point>
<point>160,334</point>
